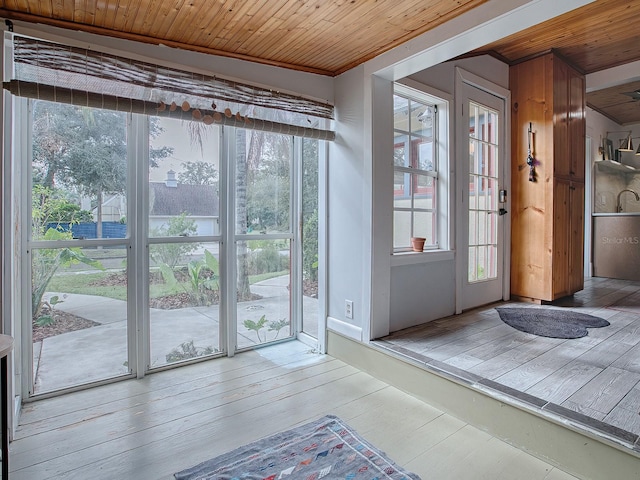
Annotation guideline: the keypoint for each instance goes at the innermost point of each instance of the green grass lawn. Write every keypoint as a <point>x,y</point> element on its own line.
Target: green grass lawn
<point>88,284</point>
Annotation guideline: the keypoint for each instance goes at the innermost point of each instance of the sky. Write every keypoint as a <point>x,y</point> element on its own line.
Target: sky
<point>176,135</point>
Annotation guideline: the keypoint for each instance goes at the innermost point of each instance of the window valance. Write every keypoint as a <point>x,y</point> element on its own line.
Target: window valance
<point>65,74</point>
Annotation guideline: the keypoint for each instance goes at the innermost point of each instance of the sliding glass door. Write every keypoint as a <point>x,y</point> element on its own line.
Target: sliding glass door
<point>184,243</point>
<point>263,236</point>
<point>77,245</point>
<point>154,242</point>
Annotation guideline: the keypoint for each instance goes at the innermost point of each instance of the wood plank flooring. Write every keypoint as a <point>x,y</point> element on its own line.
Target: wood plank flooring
<point>151,428</point>
<point>597,375</point>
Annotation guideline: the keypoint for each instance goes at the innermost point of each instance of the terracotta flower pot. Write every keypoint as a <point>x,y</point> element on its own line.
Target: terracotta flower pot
<point>417,243</point>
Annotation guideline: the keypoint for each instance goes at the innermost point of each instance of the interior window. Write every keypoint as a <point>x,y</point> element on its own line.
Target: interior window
<point>415,163</point>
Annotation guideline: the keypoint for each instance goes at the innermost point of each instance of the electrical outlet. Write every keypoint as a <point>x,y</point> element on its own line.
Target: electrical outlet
<point>348,308</point>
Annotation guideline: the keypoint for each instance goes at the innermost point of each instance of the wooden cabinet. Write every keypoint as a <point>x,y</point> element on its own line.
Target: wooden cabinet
<point>547,234</point>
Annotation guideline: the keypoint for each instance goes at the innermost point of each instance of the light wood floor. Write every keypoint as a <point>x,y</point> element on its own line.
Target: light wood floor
<point>151,428</point>
<point>597,375</point>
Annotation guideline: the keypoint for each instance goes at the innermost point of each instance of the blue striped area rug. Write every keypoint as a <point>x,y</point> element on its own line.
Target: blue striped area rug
<point>325,449</point>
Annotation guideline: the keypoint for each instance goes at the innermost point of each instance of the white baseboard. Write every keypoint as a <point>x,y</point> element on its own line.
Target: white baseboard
<point>17,410</point>
<point>344,328</point>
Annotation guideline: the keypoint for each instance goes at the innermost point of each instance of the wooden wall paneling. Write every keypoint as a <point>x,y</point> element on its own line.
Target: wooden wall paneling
<point>146,9</point>
<point>135,10</point>
<point>100,15</point>
<point>163,20</point>
<point>260,21</point>
<point>333,36</point>
<point>113,11</point>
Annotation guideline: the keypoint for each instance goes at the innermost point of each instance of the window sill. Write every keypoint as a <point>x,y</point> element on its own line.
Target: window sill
<point>428,256</point>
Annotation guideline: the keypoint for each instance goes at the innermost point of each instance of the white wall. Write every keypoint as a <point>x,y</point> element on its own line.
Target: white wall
<point>627,200</point>
<point>346,213</point>
<point>390,293</point>
<point>442,76</point>
<point>421,292</point>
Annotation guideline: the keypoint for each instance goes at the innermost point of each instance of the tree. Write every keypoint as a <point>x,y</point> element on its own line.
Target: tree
<point>268,200</point>
<point>56,128</point>
<point>242,284</point>
<point>198,173</point>
<point>85,149</point>
<point>259,157</point>
<point>97,163</point>
<point>310,210</point>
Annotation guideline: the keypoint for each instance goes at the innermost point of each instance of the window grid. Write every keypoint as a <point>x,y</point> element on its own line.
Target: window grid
<point>415,172</point>
<point>483,192</point>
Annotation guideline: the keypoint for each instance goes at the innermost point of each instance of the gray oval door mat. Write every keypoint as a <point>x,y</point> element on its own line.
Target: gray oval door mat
<point>550,322</point>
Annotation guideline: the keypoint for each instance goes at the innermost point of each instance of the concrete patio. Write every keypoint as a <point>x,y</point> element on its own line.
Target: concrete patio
<point>100,352</point>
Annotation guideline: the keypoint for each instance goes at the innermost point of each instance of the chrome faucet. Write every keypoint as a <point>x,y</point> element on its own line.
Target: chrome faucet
<point>619,205</point>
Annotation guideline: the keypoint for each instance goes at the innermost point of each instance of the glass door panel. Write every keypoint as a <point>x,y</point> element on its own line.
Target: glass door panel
<point>264,304</point>
<point>80,321</point>
<point>483,181</point>
<point>184,248</point>
<point>78,245</point>
<point>263,233</point>
<point>483,227</point>
<point>310,180</point>
<point>184,303</point>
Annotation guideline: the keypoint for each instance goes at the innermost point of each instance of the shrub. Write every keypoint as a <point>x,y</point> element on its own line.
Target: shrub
<point>172,253</point>
<point>267,259</point>
<point>310,247</point>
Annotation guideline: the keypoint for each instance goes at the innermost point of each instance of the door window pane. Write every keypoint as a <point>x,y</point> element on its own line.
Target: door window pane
<point>184,275</point>
<point>184,301</point>
<point>79,172</point>
<point>264,301</point>
<point>483,192</point>
<point>310,224</point>
<point>184,195</point>
<point>263,179</point>
<point>79,316</point>
<point>78,293</point>
<point>263,208</point>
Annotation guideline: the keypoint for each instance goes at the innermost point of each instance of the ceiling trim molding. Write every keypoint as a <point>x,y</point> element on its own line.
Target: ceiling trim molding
<point>613,77</point>
<point>485,24</point>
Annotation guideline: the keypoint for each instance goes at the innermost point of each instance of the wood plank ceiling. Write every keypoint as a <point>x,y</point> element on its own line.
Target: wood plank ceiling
<point>329,37</point>
<point>598,36</point>
<point>321,36</point>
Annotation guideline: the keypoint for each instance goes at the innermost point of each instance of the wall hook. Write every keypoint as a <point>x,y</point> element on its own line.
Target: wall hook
<point>530,160</point>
